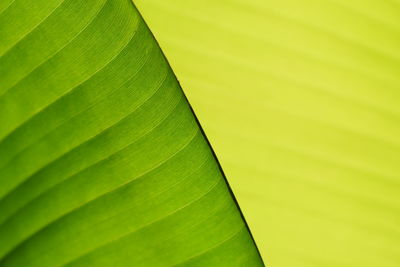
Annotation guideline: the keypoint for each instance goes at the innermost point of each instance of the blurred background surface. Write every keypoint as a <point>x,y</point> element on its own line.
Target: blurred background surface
<point>301,103</point>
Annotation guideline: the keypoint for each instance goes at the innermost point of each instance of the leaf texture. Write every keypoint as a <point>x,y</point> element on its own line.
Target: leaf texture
<point>102,162</point>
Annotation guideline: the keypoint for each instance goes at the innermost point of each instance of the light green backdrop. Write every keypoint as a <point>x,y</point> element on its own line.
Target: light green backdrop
<point>301,101</point>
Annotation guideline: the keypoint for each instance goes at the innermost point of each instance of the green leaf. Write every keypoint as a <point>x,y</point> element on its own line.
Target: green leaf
<point>301,101</point>
<point>102,162</point>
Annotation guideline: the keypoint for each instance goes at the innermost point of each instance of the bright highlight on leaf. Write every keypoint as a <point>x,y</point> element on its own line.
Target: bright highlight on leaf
<point>102,162</point>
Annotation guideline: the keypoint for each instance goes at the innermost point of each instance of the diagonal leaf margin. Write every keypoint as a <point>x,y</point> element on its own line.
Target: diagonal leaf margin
<point>102,161</point>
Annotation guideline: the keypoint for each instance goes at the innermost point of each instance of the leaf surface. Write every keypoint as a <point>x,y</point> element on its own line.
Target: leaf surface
<point>102,162</point>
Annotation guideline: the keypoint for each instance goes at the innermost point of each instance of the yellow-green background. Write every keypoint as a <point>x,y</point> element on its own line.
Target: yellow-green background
<point>301,103</point>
